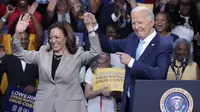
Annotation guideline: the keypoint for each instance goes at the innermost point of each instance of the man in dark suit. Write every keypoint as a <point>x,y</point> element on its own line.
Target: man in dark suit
<point>144,53</point>
<point>19,73</point>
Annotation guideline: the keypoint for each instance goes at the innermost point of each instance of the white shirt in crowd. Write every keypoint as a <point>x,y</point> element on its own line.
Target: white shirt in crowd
<point>184,31</point>
<point>115,61</point>
<point>108,105</point>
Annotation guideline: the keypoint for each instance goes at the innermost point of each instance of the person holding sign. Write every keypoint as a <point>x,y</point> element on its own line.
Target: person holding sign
<point>100,100</point>
<point>59,64</point>
<point>144,53</point>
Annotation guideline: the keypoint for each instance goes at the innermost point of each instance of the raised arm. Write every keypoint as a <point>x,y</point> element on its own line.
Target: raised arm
<point>159,71</point>
<point>37,25</point>
<point>51,9</point>
<point>17,50</point>
<point>95,48</point>
<point>110,46</point>
<point>95,5</point>
<point>10,10</point>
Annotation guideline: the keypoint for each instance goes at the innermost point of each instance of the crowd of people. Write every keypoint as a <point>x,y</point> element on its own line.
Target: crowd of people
<point>39,50</point>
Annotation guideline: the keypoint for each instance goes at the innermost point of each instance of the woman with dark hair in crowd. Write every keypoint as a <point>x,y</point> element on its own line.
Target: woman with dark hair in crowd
<point>66,10</point>
<point>59,64</point>
<point>187,25</point>
<point>102,99</point>
<point>163,26</point>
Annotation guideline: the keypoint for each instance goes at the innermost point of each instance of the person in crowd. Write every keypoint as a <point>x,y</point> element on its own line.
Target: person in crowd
<point>70,11</point>
<point>162,25</point>
<point>182,49</point>
<point>59,64</point>
<point>18,73</point>
<point>187,21</point>
<point>112,32</point>
<point>144,53</point>
<point>117,12</point>
<point>171,7</point>
<point>102,96</point>
<point>23,7</point>
<point>187,26</point>
<point>35,40</point>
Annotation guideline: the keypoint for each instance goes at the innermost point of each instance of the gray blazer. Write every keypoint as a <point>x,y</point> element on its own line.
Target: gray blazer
<point>64,93</point>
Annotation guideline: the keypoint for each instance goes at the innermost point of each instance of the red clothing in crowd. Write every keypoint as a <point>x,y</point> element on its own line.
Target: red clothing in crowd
<point>13,17</point>
<point>3,9</point>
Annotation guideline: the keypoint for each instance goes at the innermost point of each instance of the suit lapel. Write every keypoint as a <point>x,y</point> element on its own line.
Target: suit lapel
<point>149,48</point>
<point>49,65</point>
<point>65,60</point>
<point>133,47</point>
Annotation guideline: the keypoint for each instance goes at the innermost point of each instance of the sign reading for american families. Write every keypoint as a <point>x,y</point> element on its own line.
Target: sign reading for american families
<point>17,101</point>
<point>113,78</point>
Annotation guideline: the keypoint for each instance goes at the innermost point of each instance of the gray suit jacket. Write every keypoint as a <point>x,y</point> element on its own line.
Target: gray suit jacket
<point>64,93</point>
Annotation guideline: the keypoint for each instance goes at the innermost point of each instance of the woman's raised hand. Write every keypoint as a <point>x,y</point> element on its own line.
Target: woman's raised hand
<point>90,21</point>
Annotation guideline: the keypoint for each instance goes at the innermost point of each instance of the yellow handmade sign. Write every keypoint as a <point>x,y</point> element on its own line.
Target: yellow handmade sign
<point>113,78</point>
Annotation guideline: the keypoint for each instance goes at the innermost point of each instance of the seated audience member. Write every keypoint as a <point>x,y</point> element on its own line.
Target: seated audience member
<point>112,32</point>
<point>35,39</point>
<point>69,11</point>
<point>162,25</point>
<point>100,100</point>
<point>22,8</point>
<point>117,12</point>
<point>182,63</point>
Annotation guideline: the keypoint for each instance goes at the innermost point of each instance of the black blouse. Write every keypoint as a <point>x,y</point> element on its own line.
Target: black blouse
<point>55,63</point>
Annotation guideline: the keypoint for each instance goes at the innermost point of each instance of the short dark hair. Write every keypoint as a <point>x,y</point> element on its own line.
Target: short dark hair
<point>68,33</point>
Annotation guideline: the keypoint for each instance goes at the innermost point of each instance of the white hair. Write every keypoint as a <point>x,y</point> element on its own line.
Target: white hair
<point>150,14</point>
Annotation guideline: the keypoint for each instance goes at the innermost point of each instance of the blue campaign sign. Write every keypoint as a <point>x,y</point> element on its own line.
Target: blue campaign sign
<point>17,101</point>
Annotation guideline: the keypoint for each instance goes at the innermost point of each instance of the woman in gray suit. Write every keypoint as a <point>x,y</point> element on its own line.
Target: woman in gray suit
<point>59,64</point>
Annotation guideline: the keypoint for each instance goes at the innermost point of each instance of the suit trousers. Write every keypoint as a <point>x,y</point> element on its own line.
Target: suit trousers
<point>127,109</point>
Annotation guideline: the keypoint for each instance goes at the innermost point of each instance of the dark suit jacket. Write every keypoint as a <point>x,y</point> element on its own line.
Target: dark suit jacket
<point>12,66</point>
<point>105,19</point>
<point>152,65</point>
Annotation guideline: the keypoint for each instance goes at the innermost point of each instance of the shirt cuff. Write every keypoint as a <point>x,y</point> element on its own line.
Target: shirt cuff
<point>96,27</point>
<point>114,18</point>
<point>14,39</point>
<point>130,64</point>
